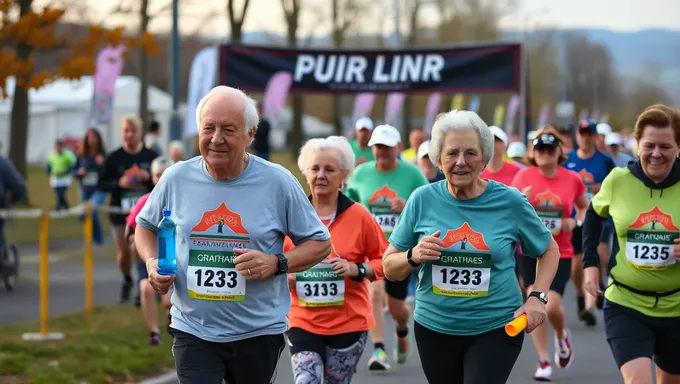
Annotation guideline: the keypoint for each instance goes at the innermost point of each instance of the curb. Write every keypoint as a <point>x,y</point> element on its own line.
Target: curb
<point>167,378</point>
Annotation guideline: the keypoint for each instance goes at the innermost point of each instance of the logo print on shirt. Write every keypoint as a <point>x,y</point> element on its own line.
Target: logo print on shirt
<point>221,216</point>
<point>464,239</point>
<point>384,195</point>
<point>547,199</point>
<point>586,176</point>
<point>654,220</point>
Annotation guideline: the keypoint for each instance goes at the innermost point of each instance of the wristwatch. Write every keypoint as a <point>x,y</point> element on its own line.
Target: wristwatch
<point>283,264</point>
<point>579,223</point>
<point>362,273</point>
<point>539,295</point>
<point>409,258</point>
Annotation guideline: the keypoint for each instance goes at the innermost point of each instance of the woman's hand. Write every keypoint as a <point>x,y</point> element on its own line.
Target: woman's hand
<point>429,248</point>
<point>535,311</point>
<point>568,225</point>
<point>591,280</point>
<point>344,268</point>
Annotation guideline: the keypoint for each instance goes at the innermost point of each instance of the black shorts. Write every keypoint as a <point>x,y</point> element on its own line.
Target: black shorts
<point>559,283</point>
<point>142,273</point>
<point>300,340</point>
<point>397,289</point>
<point>577,240</point>
<point>632,335</point>
<point>450,359</point>
<point>248,361</point>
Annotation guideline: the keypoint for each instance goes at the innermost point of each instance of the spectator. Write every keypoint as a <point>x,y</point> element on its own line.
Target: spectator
<point>176,151</point>
<point>12,190</point>
<point>60,163</point>
<point>152,140</point>
<point>88,168</point>
<point>261,143</point>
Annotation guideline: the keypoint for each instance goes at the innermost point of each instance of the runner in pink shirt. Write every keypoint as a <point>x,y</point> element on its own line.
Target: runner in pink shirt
<point>498,168</point>
<point>553,191</point>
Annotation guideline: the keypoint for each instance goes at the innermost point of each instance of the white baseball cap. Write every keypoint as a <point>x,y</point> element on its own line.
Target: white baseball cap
<point>516,149</point>
<point>604,129</point>
<point>531,135</point>
<point>613,138</point>
<point>386,135</point>
<point>364,123</point>
<point>424,149</point>
<point>499,133</point>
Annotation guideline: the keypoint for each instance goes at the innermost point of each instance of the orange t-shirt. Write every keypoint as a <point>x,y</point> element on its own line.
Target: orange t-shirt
<point>356,237</point>
<point>504,176</point>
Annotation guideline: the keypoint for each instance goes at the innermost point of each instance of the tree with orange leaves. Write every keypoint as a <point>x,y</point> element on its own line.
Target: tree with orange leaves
<point>25,31</point>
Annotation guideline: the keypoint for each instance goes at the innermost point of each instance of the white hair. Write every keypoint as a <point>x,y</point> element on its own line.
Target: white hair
<point>176,144</point>
<point>339,144</point>
<point>160,164</point>
<point>455,120</point>
<point>134,120</point>
<point>250,116</point>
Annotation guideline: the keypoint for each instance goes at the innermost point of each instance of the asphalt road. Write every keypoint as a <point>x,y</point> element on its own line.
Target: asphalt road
<point>593,361</point>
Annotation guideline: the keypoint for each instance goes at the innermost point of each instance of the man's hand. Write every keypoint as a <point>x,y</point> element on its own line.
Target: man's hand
<point>159,283</point>
<point>255,265</point>
<point>398,204</point>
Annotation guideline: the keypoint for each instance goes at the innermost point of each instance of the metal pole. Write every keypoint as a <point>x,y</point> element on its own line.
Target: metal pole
<point>175,120</point>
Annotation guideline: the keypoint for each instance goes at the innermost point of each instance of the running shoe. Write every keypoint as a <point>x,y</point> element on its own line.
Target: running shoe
<point>588,316</point>
<point>154,338</point>
<point>543,371</point>
<point>402,350</point>
<point>378,362</point>
<point>564,355</point>
<point>125,291</point>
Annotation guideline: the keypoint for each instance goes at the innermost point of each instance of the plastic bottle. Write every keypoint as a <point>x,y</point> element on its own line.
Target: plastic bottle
<point>167,263</point>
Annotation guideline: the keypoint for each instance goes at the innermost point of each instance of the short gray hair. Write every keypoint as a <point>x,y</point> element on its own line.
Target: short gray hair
<point>176,144</point>
<point>251,118</point>
<point>339,144</point>
<point>455,120</point>
<point>161,163</point>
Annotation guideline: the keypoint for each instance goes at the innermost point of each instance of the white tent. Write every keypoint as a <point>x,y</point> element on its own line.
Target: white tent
<point>61,109</point>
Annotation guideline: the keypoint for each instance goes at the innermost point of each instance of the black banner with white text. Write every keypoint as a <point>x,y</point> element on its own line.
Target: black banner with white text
<point>478,68</point>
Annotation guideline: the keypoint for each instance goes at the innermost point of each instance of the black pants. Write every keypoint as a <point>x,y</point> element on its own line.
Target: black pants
<point>248,361</point>
<point>62,202</point>
<point>487,358</point>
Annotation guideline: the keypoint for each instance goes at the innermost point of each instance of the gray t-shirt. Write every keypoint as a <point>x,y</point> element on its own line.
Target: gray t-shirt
<point>622,159</point>
<point>210,299</point>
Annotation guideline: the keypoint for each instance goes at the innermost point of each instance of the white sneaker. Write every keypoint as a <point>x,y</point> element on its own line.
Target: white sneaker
<point>543,372</point>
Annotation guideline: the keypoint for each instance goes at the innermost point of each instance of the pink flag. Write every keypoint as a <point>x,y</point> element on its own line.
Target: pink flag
<point>543,116</point>
<point>395,100</point>
<point>431,110</point>
<point>363,105</point>
<point>276,93</point>
<point>109,67</point>
<point>583,115</point>
<point>511,112</point>
<point>595,116</point>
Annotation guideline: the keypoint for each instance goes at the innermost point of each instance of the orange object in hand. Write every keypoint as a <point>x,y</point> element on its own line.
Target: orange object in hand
<point>516,326</point>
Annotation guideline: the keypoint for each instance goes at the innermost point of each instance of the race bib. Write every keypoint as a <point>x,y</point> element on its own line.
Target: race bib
<point>212,275</point>
<point>551,218</point>
<point>650,250</point>
<point>90,179</point>
<point>462,274</point>
<point>319,286</point>
<point>384,216</point>
<point>129,200</point>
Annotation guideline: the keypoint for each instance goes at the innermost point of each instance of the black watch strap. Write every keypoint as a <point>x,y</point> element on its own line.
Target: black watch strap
<point>409,258</point>
<point>540,296</point>
<point>282,264</point>
<point>362,273</point>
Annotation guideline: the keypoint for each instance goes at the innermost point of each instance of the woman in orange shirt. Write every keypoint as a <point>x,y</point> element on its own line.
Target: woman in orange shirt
<point>330,310</point>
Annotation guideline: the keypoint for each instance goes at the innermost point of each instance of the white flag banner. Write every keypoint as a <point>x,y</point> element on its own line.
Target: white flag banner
<point>201,79</point>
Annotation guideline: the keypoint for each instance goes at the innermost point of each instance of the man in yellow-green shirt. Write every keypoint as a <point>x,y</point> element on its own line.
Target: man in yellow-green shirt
<point>415,138</point>
<point>60,163</point>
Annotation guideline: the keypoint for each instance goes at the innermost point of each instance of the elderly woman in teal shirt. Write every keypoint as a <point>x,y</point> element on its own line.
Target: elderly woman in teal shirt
<point>463,231</point>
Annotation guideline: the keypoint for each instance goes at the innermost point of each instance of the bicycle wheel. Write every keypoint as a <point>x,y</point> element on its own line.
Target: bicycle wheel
<point>10,270</point>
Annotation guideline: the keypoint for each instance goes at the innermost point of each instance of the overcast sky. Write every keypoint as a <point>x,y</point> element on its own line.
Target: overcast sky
<point>620,15</point>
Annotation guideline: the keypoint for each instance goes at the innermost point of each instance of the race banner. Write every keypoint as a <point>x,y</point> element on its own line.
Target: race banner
<point>473,68</point>
<point>201,80</point>
<point>109,67</point>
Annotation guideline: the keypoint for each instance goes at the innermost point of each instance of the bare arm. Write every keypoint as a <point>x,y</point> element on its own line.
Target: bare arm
<point>581,207</point>
<point>546,267</point>
<point>307,254</point>
<point>146,242</point>
<point>395,266</point>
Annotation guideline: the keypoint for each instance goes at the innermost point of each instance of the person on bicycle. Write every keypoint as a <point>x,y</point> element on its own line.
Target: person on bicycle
<point>12,190</point>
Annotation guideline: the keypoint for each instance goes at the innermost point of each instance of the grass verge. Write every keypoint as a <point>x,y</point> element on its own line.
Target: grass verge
<point>110,347</point>
<point>41,195</point>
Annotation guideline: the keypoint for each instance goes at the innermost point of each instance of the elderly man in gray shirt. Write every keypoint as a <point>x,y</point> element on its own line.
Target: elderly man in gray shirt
<point>233,211</point>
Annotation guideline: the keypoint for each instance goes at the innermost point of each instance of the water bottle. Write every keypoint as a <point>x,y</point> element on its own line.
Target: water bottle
<point>167,263</point>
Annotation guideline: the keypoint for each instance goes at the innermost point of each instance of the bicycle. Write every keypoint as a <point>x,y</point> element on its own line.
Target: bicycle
<point>9,259</point>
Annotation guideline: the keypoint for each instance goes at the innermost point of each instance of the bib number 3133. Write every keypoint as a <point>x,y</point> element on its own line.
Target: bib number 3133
<point>462,274</point>
<point>650,250</point>
<point>319,286</point>
<point>212,275</point>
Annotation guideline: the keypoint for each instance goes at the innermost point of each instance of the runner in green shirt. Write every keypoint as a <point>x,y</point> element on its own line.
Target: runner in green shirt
<point>642,298</point>
<point>362,151</point>
<point>383,186</point>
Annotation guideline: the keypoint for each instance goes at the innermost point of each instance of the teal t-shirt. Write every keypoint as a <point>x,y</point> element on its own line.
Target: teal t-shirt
<point>361,154</point>
<point>375,190</point>
<point>472,288</point>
